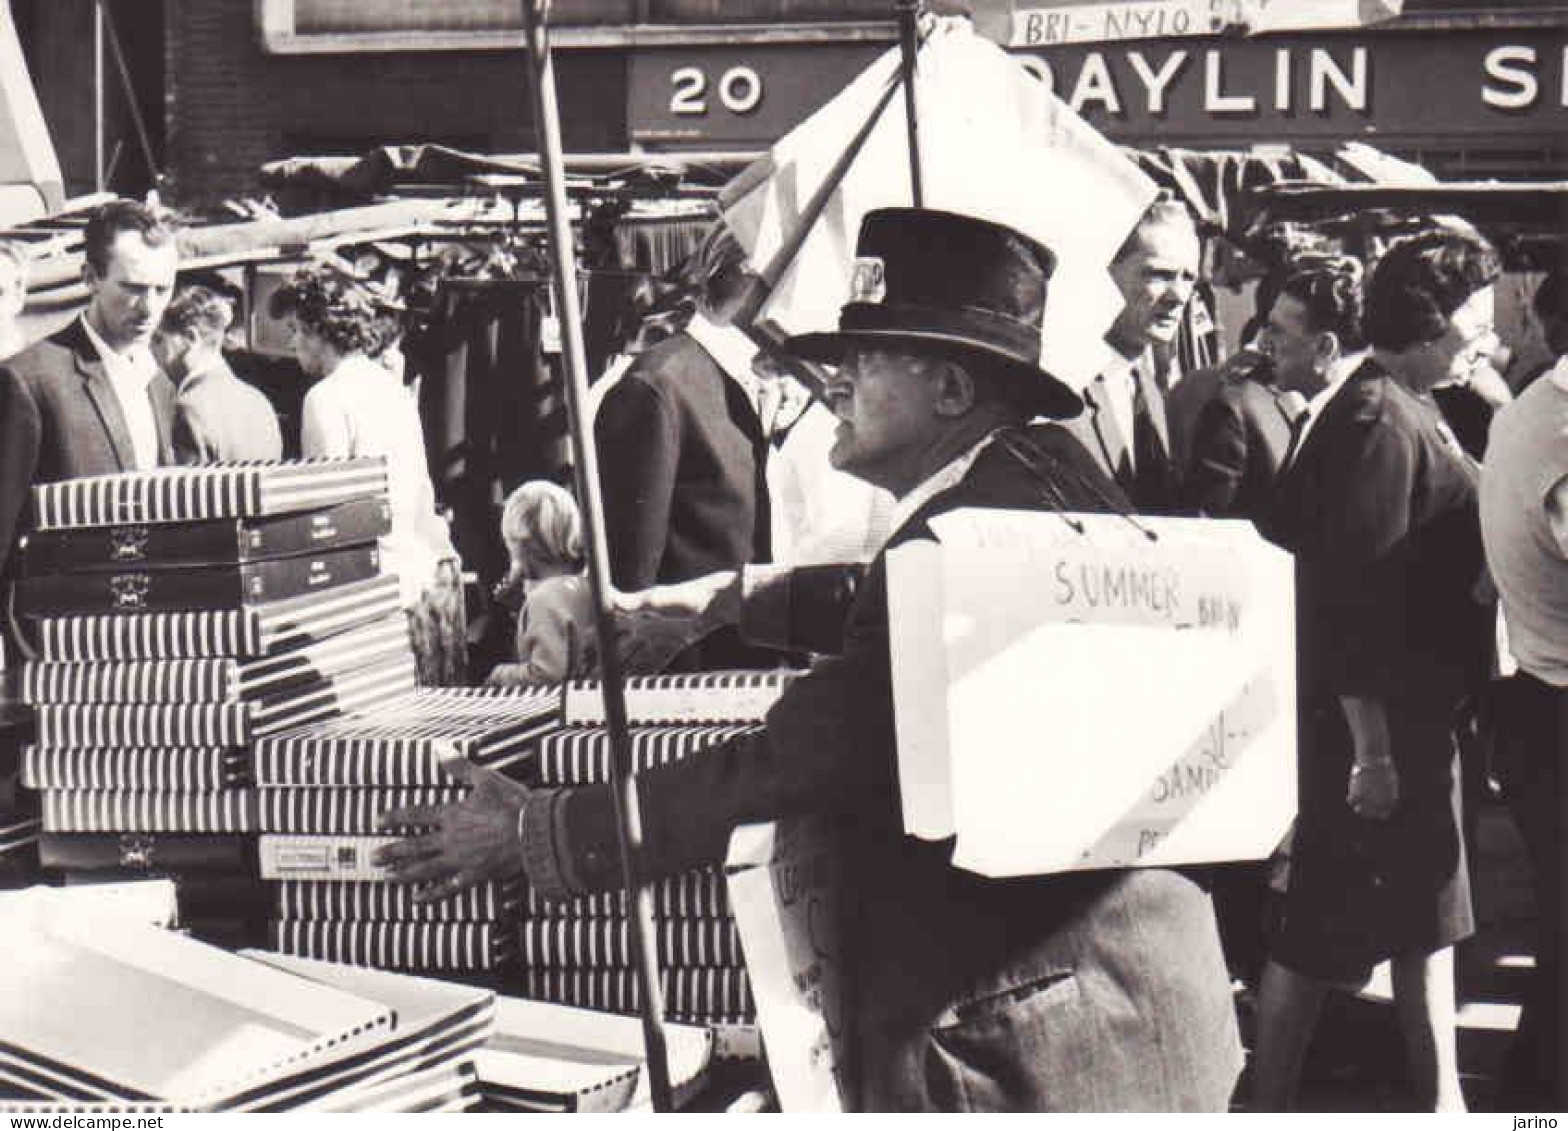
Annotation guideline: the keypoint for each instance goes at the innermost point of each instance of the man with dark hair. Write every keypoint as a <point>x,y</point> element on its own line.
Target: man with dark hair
<point>1233,423</point>
<point>1378,504</point>
<point>1124,421</point>
<point>682,455</point>
<point>217,416</point>
<point>91,400</point>
<point>1312,334</point>
<point>1100,990</point>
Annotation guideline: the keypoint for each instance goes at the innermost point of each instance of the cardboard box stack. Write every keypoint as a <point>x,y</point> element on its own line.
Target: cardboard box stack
<point>579,952</point>
<point>180,615</point>
<point>322,790</point>
<point>176,1025</point>
<point>173,1024</point>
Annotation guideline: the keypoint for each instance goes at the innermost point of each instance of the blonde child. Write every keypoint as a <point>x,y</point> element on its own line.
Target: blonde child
<point>542,530</point>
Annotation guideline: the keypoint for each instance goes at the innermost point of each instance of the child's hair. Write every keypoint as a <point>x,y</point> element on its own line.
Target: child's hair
<point>540,524</point>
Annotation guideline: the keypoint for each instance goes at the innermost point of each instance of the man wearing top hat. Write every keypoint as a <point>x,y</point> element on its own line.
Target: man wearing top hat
<point>1093,991</point>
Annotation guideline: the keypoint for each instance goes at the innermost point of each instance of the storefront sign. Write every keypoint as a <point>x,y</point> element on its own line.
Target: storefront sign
<point>1384,87</point>
<point>735,95</point>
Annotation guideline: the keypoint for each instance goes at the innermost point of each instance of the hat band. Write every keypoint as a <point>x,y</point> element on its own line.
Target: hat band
<point>1006,335</point>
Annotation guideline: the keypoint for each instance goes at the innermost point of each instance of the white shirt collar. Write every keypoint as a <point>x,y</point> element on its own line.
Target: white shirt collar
<point>730,348</point>
<point>946,476</point>
<point>129,375</point>
<point>134,364</point>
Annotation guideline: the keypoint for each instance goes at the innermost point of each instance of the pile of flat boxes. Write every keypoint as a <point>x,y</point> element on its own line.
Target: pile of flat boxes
<point>179,616</point>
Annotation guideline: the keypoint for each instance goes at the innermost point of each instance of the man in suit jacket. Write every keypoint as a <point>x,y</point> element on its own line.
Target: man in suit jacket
<point>1237,440</point>
<point>91,400</point>
<point>1097,991</point>
<point>1124,421</point>
<point>681,449</point>
<point>682,455</point>
<point>217,416</point>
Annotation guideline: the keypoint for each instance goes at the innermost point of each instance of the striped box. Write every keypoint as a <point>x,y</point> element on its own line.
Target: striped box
<point>195,494</point>
<point>110,811</point>
<point>690,895</point>
<point>388,902</point>
<point>694,698</point>
<point>224,679</point>
<point>342,812</point>
<point>264,630</point>
<point>163,769</point>
<point>576,943</point>
<point>405,743</point>
<point>453,947</point>
<point>72,725</point>
<point>688,994</point>
<point>581,755</point>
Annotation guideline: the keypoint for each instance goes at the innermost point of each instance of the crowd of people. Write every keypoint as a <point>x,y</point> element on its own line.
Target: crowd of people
<point>749,495</point>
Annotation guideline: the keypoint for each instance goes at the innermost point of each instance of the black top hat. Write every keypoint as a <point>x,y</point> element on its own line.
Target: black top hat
<point>954,283</point>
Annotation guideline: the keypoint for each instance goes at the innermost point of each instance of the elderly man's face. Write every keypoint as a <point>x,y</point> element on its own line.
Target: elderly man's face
<point>886,408</point>
<point>1156,278</point>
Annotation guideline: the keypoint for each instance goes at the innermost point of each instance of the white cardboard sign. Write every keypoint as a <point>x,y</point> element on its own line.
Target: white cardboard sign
<point>785,894</point>
<point>1072,693</point>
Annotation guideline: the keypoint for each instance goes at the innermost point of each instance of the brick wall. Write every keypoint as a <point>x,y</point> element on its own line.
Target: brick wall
<point>230,106</point>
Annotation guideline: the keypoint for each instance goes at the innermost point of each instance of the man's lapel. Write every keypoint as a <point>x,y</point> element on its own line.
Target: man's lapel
<point>161,391</point>
<point>1113,445</point>
<point>95,381</point>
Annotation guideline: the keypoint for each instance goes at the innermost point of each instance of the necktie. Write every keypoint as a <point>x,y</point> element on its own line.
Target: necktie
<point>1298,429</point>
<point>1151,464</point>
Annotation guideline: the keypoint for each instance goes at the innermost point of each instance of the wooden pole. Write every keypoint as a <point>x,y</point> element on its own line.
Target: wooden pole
<point>628,813</point>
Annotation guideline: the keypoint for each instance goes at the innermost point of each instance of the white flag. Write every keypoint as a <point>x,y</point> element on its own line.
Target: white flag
<point>995,143</point>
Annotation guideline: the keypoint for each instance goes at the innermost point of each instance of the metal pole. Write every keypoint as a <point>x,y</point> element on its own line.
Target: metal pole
<point>771,272</point>
<point>99,179</point>
<point>908,43</point>
<point>627,809</point>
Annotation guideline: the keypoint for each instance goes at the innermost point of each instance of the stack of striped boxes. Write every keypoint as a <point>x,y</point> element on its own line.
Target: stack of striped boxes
<point>335,779</point>
<point>179,615</point>
<point>579,952</point>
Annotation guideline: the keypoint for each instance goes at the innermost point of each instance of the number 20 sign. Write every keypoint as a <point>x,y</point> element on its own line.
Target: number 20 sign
<point>739,90</point>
